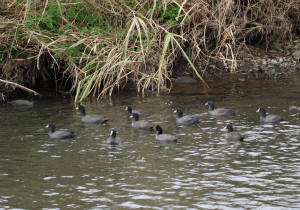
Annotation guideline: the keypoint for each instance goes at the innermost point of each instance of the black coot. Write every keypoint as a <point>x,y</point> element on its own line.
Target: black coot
<point>61,134</point>
<point>230,135</point>
<point>28,102</point>
<point>272,118</point>
<point>188,119</point>
<point>164,137</point>
<point>113,139</point>
<point>219,111</point>
<point>142,124</point>
<point>91,119</point>
<point>131,111</point>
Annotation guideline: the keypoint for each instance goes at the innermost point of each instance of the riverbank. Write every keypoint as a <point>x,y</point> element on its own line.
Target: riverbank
<point>99,47</point>
<point>255,62</point>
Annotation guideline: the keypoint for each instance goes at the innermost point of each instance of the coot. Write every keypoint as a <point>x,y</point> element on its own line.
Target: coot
<point>272,118</point>
<point>219,111</point>
<point>61,134</point>
<point>230,135</point>
<point>113,139</point>
<point>91,119</point>
<point>143,124</point>
<point>20,102</point>
<point>140,112</point>
<point>188,119</point>
<point>164,137</point>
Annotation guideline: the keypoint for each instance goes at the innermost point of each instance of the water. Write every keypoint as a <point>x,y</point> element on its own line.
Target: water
<point>201,171</point>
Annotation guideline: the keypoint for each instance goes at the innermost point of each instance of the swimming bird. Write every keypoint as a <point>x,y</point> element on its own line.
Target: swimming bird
<point>113,139</point>
<point>140,112</point>
<point>187,119</point>
<point>219,111</point>
<point>272,118</point>
<point>142,124</point>
<point>61,134</point>
<point>91,119</point>
<point>164,137</point>
<point>21,102</point>
<point>230,135</point>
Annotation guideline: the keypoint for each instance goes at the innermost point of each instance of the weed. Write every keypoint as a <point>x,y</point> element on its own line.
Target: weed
<point>101,45</point>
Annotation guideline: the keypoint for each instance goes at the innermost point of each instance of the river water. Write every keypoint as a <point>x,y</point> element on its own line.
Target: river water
<point>200,171</point>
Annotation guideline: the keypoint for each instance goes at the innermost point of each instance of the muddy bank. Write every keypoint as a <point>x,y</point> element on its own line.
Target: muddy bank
<point>253,62</point>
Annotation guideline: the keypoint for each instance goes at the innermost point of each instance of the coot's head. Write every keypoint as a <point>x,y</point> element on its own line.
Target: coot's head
<point>129,110</point>
<point>82,109</point>
<point>210,104</point>
<point>261,110</point>
<point>159,129</point>
<point>113,133</point>
<point>51,126</point>
<point>135,116</point>
<point>179,112</point>
<point>229,128</point>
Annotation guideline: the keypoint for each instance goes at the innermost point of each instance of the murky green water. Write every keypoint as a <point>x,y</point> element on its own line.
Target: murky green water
<point>201,171</point>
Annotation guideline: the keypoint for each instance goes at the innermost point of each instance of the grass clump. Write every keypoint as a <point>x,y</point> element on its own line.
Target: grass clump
<point>101,45</point>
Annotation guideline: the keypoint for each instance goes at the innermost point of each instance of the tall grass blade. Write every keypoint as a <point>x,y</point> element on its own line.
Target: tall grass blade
<point>169,38</point>
<point>79,87</point>
<point>190,62</point>
<point>133,23</point>
<point>146,32</point>
<point>87,89</point>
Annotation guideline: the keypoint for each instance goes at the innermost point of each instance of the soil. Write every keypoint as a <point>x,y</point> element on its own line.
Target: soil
<point>256,62</point>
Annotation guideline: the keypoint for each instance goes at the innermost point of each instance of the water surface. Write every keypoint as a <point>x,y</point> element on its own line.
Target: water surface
<point>200,171</point>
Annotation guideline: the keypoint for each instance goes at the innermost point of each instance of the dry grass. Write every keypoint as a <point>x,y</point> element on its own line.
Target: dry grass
<point>136,41</point>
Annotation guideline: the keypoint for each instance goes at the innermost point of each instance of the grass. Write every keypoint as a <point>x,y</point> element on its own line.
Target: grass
<point>100,46</point>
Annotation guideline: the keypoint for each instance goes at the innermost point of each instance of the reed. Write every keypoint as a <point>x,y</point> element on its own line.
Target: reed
<point>102,45</point>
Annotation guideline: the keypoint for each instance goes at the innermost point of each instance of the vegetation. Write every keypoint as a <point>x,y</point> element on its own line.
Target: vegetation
<point>100,45</point>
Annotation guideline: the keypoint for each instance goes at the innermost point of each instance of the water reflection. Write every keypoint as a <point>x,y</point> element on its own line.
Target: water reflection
<point>201,170</point>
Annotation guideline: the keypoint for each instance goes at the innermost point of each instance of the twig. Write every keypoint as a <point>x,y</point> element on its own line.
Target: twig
<point>19,86</point>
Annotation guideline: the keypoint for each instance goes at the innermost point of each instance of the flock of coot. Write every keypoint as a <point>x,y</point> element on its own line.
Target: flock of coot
<point>143,124</point>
